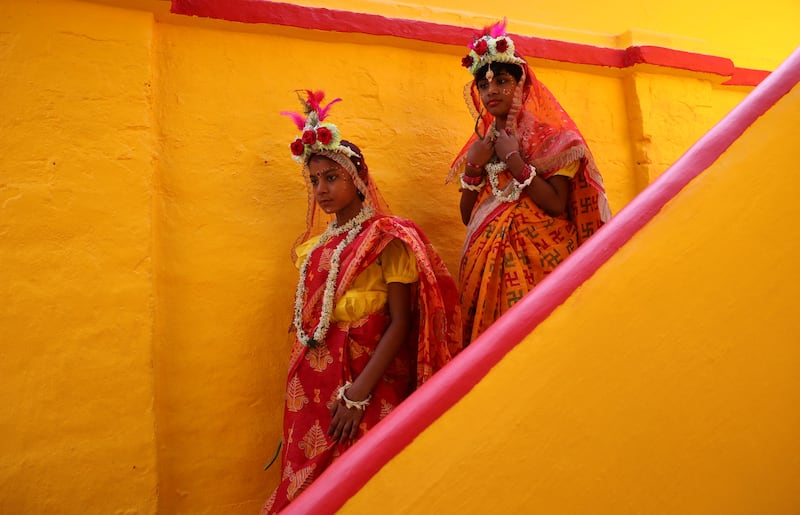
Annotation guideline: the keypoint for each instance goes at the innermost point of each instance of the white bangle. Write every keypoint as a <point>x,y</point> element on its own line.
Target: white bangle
<point>470,187</point>
<point>528,181</point>
<point>362,405</point>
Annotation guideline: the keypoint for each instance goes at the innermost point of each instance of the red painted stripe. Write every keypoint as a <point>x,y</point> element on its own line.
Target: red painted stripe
<point>352,471</point>
<point>318,18</point>
<point>746,77</point>
<point>678,59</point>
<point>564,51</point>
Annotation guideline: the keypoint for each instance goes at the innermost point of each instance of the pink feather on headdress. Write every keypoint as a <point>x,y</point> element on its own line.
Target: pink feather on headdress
<point>498,29</point>
<point>298,119</point>
<point>312,103</point>
<point>324,111</point>
<point>315,99</point>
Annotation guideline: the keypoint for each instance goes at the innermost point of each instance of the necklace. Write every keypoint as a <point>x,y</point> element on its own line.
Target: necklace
<point>352,228</point>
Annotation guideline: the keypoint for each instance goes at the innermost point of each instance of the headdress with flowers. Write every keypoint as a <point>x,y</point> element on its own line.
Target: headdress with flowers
<point>491,45</point>
<point>320,137</point>
<point>316,135</point>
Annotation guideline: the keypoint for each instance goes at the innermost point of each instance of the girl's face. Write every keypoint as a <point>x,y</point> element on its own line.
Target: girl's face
<point>497,94</point>
<point>334,189</point>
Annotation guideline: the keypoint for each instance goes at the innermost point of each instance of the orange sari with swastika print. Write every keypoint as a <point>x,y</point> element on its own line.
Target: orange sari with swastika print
<point>511,246</point>
<point>315,374</point>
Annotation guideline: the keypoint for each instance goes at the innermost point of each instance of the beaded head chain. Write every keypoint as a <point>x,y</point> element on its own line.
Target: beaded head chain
<point>491,45</point>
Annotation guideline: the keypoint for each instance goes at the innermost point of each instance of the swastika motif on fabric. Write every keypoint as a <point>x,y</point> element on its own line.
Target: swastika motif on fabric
<point>514,296</point>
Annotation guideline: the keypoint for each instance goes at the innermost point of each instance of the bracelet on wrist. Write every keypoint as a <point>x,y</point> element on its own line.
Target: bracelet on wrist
<point>473,180</point>
<point>526,178</point>
<point>342,396</point>
<point>473,165</point>
<point>526,172</point>
<point>466,184</point>
<point>505,159</point>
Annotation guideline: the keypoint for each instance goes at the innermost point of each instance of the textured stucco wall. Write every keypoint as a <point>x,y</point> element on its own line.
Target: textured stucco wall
<point>148,203</point>
<point>76,279</point>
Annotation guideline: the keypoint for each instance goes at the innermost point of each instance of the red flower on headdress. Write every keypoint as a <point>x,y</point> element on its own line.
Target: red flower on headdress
<point>309,137</point>
<point>297,147</point>
<point>481,47</point>
<point>467,61</point>
<point>501,45</point>
<point>324,135</point>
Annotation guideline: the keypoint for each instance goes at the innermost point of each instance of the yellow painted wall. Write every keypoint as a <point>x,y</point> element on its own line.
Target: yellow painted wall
<point>148,203</point>
<point>76,278</point>
<point>666,384</point>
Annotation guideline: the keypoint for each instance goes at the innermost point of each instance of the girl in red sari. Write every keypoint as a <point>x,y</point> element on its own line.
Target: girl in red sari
<point>375,311</point>
<point>530,188</point>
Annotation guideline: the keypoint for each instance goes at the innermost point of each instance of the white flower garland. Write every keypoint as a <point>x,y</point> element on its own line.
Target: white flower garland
<point>514,187</point>
<point>352,228</point>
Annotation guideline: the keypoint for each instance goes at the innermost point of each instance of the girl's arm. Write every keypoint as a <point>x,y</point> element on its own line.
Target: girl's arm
<point>549,194</point>
<point>468,197</point>
<point>479,153</point>
<point>345,421</point>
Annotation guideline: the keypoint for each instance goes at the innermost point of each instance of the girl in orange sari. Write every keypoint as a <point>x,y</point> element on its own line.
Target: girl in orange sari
<point>375,310</point>
<point>530,189</point>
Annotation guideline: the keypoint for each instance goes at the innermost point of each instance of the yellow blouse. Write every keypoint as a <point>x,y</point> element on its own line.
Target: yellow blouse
<point>368,293</point>
<point>570,170</point>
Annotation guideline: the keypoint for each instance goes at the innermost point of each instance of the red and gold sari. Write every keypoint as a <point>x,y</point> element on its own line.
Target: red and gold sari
<point>315,374</point>
<point>511,246</point>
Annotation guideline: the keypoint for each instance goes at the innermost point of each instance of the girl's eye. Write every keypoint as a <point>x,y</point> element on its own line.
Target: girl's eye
<point>332,178</point>
<point>314,181</point>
